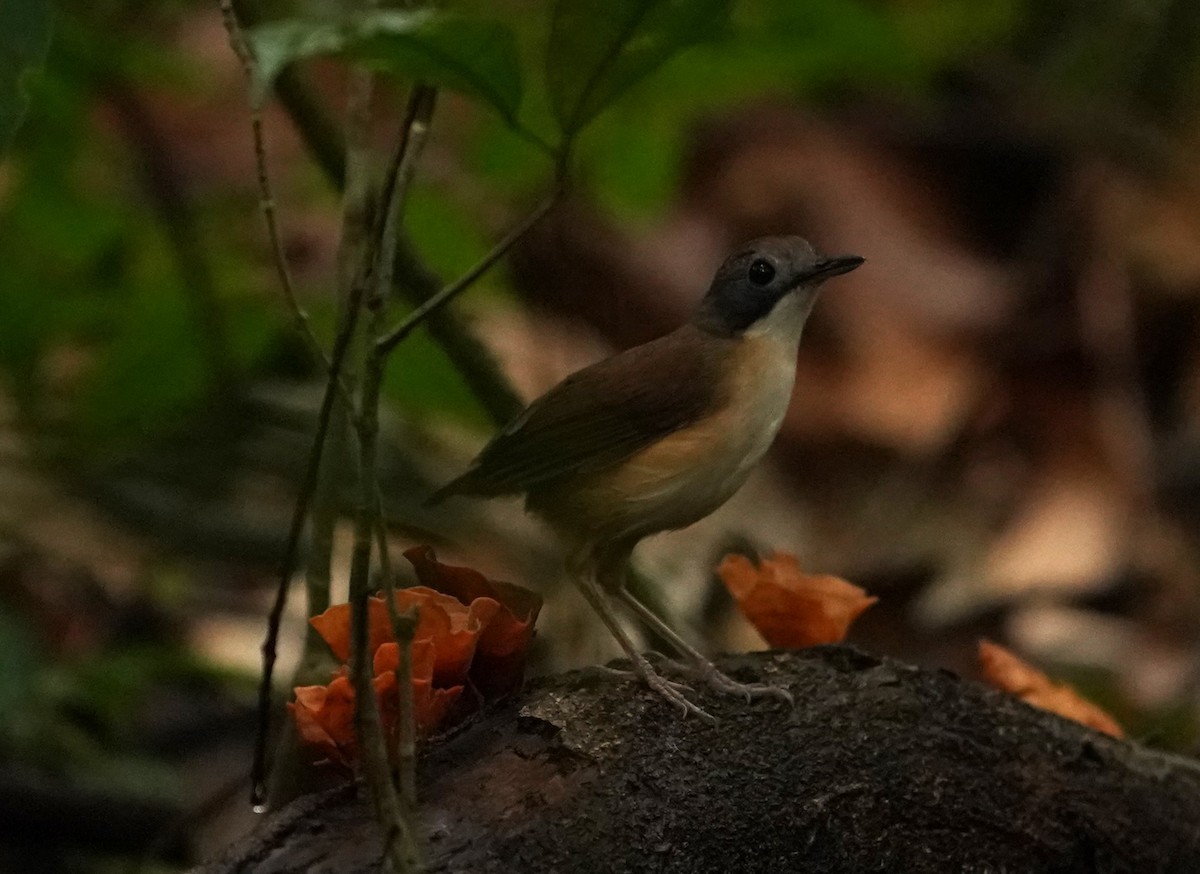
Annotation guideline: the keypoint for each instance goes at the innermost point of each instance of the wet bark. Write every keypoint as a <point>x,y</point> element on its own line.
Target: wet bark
<point>881,767</point>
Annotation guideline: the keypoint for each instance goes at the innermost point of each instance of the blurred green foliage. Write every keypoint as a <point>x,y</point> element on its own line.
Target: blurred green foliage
<point>101,339</point>
<point>599,49</point>
<point>1139,55</point>
<point>99,334</point>
<point>23,43</point>
<point>770,48</point>
<point>475,56</point>
<point>72,717</point>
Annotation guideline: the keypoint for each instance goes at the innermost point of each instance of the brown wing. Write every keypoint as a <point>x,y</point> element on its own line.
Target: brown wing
<point>601,415</point>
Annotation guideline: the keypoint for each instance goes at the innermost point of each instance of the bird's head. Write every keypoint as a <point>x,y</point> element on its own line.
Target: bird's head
<point>768,286</point>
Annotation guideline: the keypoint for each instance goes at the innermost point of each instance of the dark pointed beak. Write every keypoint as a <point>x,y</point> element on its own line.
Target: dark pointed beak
<point>827,267</point>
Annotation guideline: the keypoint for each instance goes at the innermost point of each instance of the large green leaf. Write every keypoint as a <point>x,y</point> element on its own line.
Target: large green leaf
<point>464,54</point>
<point>600,48</point>
<point>24,39</point>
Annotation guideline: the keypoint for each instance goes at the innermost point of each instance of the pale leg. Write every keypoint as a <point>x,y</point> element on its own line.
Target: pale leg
<point>698,665</point>
<point>601,603</point>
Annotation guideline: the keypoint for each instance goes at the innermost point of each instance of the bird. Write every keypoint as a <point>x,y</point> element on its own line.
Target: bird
<point>659,436</point>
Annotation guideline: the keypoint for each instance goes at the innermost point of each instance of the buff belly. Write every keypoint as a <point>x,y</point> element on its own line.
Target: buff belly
<point>685,476</point>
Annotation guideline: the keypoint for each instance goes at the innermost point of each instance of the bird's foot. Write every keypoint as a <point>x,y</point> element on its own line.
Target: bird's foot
<point>626,674</point>
<point>672,691</point>
<point>675,693</point>
<point>709,674</point>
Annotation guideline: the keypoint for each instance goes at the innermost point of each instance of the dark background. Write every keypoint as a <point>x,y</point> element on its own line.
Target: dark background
<point>996,426</point>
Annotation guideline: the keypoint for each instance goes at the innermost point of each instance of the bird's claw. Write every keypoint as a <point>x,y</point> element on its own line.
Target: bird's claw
<point>709,674</point>
<point>703,672</point>
<point>674,693</point>
<point>650,677</point>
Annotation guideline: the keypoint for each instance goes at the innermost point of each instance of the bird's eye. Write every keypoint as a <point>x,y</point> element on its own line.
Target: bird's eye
<point>761,272</point>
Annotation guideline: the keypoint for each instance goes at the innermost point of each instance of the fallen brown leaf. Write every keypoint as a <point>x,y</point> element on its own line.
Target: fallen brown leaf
<point>792,609</point>
<point>1004,670</point>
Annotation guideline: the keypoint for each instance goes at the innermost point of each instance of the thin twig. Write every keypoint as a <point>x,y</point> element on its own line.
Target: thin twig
<point>388,341</point>
<point>241,48</point>
<point>396,186</point>
<point>405,773</point>
<point>287,568</point>
<point>404,627</point>
<point>266,196</point>
<point>335,385</point>
<point>325,143</point>
<point>360,265</point>
<point>398,179</point>
<point>291,551</point>
<point>317,128</point>
<point>400,842</point>
<point>400,175</point>
<point>335,390</point>
<point>470,356</point>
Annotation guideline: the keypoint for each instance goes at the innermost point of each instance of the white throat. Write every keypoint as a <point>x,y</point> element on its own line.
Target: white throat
<point>785,322</point>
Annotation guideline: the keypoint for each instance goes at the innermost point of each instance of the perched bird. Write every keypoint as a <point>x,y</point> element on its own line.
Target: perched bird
<point>657,437</point>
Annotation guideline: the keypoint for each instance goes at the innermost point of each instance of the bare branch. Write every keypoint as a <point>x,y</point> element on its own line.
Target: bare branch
<point>415,280</point>
<point>414,131</point>
<point>335,385</point>
<point>404,627</point>
<point>241,48</point>
<point>388,341</point>
<point>308,487</point>
<point>360,267</point>
<point>401,843</point>
<point>396,185</point>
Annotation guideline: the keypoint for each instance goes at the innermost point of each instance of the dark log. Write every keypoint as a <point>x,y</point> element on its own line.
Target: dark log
<point>881,767</point>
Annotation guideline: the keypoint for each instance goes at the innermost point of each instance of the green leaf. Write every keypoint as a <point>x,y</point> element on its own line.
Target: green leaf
<point>601,48</point>
<point>24,40</point>
<point>476,57</point>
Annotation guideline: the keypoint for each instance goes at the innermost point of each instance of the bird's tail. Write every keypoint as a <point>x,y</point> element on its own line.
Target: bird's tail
<point>441,494</point>
<point>465,483</point>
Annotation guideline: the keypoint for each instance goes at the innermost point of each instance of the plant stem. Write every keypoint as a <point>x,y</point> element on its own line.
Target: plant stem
<point>367,223</point>
<point>413,277</point>
<point>399,178</point>
<point>331,417</point>
<point>404,627</point>
<point>314,123</point>
<point>237,42</point>
<point>397,183</point>
<point>405,775</point>
<point>389,341</point>
<point>308,488</point>
<point>399,841</point>
<point>469,355</point>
